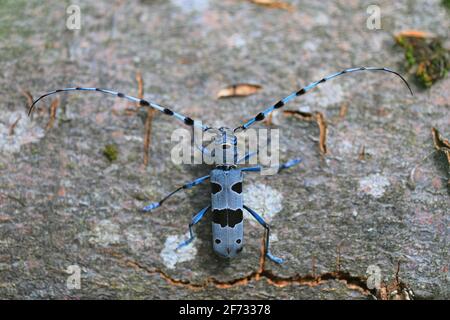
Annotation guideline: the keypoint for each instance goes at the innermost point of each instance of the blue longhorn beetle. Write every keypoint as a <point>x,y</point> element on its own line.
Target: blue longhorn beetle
<point>226,179</point>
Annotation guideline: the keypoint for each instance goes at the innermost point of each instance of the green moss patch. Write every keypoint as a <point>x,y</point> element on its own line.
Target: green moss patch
<point>446,4</point>
<point>111,152</point>
<point>426,57</point>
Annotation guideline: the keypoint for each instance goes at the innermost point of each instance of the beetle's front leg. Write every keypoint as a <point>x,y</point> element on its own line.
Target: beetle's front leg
<point>188,185</point>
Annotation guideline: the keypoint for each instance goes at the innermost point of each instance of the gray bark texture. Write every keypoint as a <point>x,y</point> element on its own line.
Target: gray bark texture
<point>359,207</point>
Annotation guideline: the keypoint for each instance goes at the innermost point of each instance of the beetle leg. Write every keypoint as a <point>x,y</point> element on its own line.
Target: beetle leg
<point>267,227</point>
<point>194,221</point>
<point>188,185</point>
<point>283,166</point>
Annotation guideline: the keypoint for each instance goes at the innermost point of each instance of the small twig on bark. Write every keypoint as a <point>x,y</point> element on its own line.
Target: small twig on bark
<point>239,90</point>
<point>18,200</point>
<point>148,120</point>
<point>268,121</point>
<point>29,97</point>
<point>319,118</point>
<point>140,85</point>
<point>443,145</point>
<point>53,108</point>
<point>343,110</point>
<point>274,4</point>
<point>397,279</point>
<point>338,259</point>
<point>14,124</point>
<point>323,128</point>
<point>313,266</point>
<point>362,153</point>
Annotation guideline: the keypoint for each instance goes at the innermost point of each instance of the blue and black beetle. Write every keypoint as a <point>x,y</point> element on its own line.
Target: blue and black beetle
<point>226,178</point>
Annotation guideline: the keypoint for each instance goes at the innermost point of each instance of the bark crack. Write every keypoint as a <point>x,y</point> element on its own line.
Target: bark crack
<point>394,290</point>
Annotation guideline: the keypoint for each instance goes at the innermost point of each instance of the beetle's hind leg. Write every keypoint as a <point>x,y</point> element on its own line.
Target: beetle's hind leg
<point>267,227</point>
<point>194,221</point>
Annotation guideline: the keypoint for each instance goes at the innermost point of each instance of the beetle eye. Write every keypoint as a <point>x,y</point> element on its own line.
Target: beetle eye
<point>237,187</point>
<point>215,187</point>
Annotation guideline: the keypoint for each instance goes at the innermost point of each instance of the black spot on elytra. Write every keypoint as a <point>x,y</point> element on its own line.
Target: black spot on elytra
<point>218,241</point>
<point>237,187</point>
<point>227,217</point>
<point>235,217</point>
<point>238,241</point>
<point>220,217</point>
<point>215,187</point>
